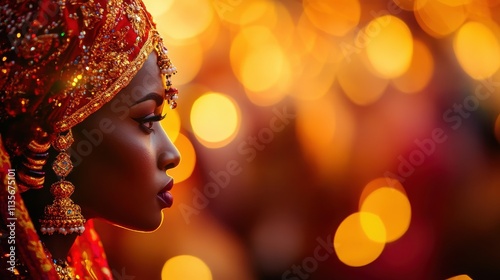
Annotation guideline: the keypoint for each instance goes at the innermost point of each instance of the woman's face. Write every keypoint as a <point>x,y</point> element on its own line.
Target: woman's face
<point>121,154</point>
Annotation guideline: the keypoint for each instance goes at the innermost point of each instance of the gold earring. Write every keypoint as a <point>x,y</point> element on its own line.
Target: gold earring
<point>63,215</point>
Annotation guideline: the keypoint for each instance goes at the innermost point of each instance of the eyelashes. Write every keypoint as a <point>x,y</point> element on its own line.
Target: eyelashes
<point>146,123</point>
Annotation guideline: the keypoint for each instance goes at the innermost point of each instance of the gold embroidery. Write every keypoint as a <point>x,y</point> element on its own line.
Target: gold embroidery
<point>108,94</point>
<point>137,19</point>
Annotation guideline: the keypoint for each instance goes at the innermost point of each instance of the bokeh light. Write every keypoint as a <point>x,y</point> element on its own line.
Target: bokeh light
<point>316,125</point>
<point>460,277</point>
<point>352,91</point>
<point>215,119</point>
<point>254,10</point>
<point>187,56</point>
<point>182,22</point>
<point>259,63</point>
<point>420,72</point>
<point>407,5</point>
<point>390,45</point>
<point>477,50</point>
<point>378,183</point>
<point>325,130</point>
<point>353,246</point>
<point>438,18</point>
<point>241,12</point>
<point>184,267</point>
<point>259,68</point>
<point>172,124</point>
<point>393,208</point>
<point>360,93</point>
<point>335,17</point>
<point>188,159</point>
<point>157,8</point>
<point>456,2</point>
<point>497,128</point>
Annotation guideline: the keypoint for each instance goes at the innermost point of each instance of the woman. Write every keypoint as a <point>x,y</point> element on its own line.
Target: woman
<point>83,85</point>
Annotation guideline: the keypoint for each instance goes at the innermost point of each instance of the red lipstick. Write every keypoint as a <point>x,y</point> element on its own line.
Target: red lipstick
<point>165,196</point>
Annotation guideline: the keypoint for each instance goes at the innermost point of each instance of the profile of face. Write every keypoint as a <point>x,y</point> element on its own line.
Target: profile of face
<point>121,155</point>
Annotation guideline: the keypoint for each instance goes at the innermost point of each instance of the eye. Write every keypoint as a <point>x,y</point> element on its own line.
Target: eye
<point>146,123</point>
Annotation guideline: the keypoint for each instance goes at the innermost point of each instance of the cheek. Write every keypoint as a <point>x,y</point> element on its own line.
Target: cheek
<point>116,180</point>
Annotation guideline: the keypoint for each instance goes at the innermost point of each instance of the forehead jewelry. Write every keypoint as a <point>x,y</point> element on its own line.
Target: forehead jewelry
<point>167,69</point>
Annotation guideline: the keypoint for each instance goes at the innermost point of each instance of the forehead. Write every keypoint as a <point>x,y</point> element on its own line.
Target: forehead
<point>147,80</point>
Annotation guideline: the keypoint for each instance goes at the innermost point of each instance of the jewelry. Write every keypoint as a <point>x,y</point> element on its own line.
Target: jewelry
<point>63,269</point>
<point>63,215</point>
<point>167,69</point>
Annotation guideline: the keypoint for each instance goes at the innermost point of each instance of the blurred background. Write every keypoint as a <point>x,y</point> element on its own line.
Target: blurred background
<point>338,139</point>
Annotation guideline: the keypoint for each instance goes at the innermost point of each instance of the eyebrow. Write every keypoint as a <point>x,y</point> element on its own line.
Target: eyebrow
<point>151,96</point>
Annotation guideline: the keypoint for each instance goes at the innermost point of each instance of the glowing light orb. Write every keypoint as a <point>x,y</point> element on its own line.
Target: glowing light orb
<point>351,243</point>
<point>477,50</point>
<point>215,119</point>
<point>185,267</point>
<point>390,46</point>
<point>393,208</point>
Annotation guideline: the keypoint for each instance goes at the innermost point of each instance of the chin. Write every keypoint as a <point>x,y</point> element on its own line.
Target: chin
<point>148,224</point>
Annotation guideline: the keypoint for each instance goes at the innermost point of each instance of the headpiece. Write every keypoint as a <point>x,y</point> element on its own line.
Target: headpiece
<point>60,61</point>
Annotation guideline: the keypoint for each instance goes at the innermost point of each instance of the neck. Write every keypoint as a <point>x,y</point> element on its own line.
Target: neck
<point>58,245</point>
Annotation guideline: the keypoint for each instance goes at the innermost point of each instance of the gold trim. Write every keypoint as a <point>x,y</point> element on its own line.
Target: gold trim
<point>112,90</point>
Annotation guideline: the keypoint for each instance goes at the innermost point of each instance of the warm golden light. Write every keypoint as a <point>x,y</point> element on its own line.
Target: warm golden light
<point>335,17</point>
<point>241,12</point>
<point>188,159</point>
<point>408,5</point>
<point>361,93</point>
<point>325,130</point>
<point>378,183</point>
<point>456,2</point>
<point>260,68</point>
<point>373,227</point>
<point>420,72</point>
<point>316,121</point>
<point>438,18</point>
<point>353,246</point>
<point>215,119</point>
<point>188,58</point>
<point>171,124</point>
<point>390,46</point>
<point>477,50</point>
<point>157,8</point>
<point>460,277</point>
<point>393,208</point>
<point>259,63</point>
<point>497,128</point>
<point>185,267</point>
<point>182,22</point>
<point>255,11</point>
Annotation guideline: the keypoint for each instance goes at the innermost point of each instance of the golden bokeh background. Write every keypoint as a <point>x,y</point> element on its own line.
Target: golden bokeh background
<point>341,139</point>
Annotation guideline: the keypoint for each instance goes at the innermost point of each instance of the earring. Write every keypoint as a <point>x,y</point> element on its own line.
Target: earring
<point>63,215</point>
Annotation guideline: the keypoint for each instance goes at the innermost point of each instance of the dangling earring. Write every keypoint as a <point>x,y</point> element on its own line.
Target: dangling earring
<point>63,215</point>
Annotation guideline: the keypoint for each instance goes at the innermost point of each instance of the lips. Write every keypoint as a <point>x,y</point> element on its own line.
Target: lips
<point>165,196</point>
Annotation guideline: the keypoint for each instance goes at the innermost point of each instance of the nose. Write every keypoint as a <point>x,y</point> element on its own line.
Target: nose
<point>168,155</point>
